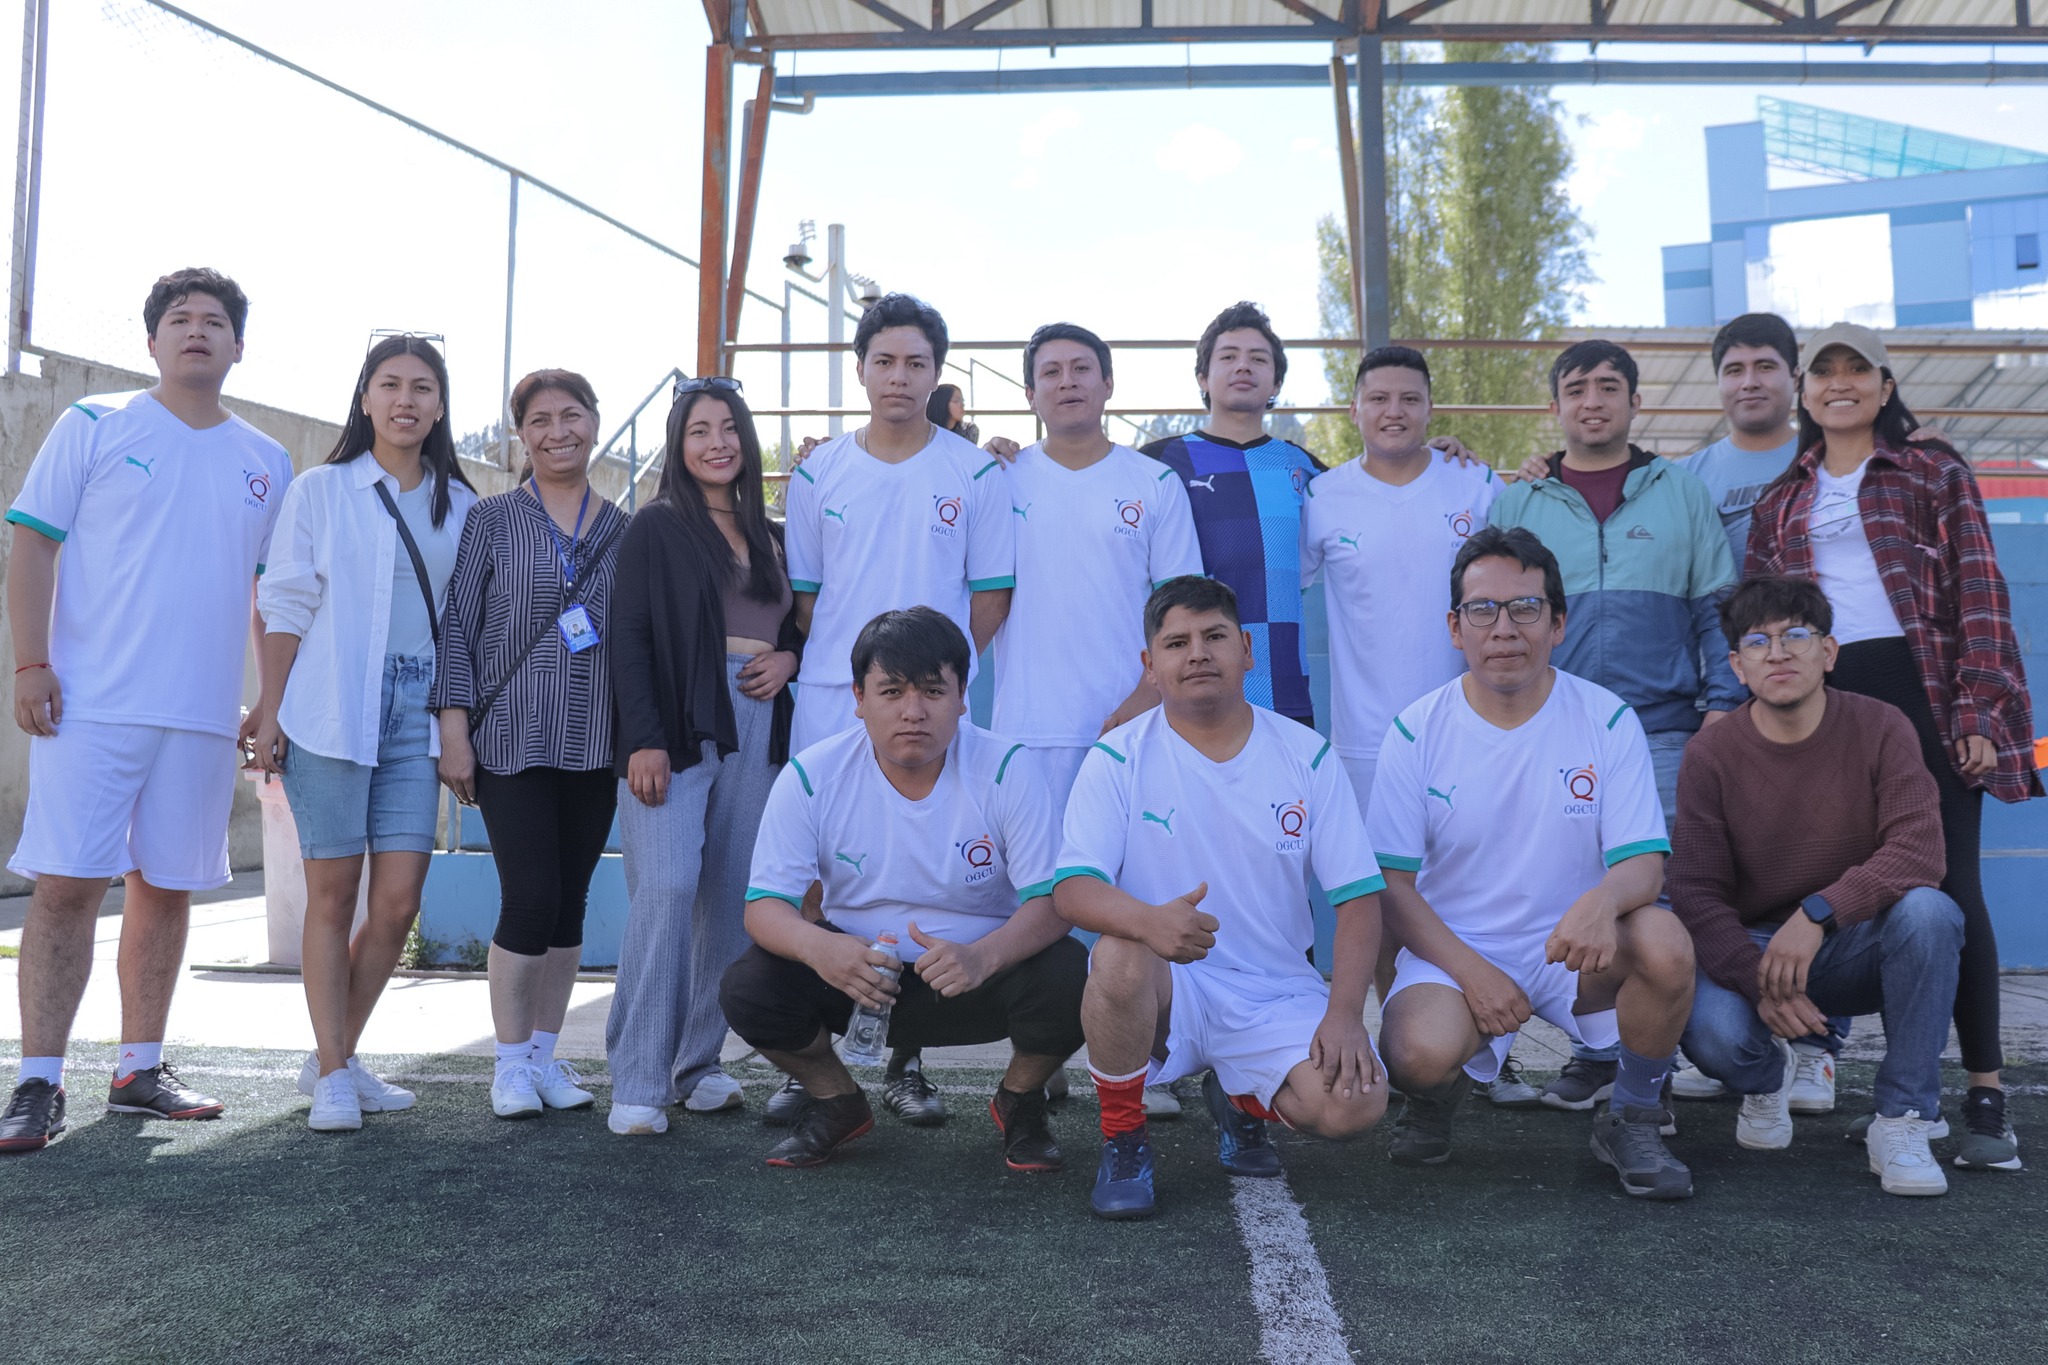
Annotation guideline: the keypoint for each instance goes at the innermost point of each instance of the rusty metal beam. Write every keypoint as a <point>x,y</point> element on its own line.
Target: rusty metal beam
<point>1347,160</point>
<point>753,151</point>
<point>716,197</point>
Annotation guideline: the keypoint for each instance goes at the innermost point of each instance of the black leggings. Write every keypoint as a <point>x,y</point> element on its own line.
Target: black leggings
<point>548,829</point>
<point>1884,669</point>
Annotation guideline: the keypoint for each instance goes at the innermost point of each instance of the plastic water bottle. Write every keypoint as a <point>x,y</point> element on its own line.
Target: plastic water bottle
<point>867,1033</point>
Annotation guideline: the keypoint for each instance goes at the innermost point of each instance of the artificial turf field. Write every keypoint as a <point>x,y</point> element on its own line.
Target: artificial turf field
<point>445,1234</point>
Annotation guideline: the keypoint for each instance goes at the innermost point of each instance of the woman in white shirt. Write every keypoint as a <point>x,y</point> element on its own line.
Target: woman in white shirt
<point>350,601</point>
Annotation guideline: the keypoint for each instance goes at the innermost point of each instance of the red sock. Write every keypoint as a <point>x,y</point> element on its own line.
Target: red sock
<point>1249,1104</point>
<point>1123,1101</point>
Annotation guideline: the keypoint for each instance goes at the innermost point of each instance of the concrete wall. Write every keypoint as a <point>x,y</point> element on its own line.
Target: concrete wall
<point>29,406</point>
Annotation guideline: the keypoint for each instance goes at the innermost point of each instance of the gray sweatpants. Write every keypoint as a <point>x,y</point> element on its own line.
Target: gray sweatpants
<point>686,884</point>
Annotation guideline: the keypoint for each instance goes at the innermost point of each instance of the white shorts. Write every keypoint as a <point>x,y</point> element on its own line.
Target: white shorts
<point>822,711</point>
<point>1360,771</point>
<point>1250,1030</point>
<point>1060,764</point>
<point>1552,988</point>
<point>106,799</point>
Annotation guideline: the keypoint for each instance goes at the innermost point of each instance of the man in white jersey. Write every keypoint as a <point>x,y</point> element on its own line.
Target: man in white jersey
<point>1515,811</point>
<point>931,831</point>
<point>898,513</point>
<point>1098,526</point>
<point>158,506</point>
<point>1188,844</point>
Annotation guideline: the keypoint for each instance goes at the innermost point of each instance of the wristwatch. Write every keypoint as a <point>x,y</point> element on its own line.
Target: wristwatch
<point>1817,909</point>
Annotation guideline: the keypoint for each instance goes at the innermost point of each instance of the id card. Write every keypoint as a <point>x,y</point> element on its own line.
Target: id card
<point>578,634</point>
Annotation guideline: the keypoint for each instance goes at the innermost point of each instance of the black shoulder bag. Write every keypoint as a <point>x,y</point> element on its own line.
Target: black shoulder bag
<point>597,554</point>
<point>419,563</point>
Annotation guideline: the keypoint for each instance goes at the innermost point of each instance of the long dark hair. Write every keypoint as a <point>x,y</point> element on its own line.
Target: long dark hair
<point>938,409</point>
<point>681,495</point>
<point>437,452</point>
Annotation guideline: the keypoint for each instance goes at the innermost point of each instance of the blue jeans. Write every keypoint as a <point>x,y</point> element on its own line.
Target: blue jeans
<point>342,807</point>
<point>1901,963</point>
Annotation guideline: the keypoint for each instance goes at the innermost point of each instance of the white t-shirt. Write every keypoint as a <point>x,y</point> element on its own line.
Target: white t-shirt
<point>1843,562</point>
<point>164,531</point>
<point>1506,828</point>
<point>1152,815</point>
<point>1385,554</point>
<point>959,862</point>
<point>1091,545</point>
<point>868,537</point>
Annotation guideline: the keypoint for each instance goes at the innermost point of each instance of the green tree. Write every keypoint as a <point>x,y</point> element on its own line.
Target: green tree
<point>1482,243</point>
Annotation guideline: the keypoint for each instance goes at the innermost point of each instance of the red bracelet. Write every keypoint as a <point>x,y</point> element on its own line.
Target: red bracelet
<point>26,667</point>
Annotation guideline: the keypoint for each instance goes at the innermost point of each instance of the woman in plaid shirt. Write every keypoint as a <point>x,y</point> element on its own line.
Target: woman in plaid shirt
<point>1893,529</point>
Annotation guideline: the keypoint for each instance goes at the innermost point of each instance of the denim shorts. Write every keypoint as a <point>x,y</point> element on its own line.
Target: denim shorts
<point>342,808</point>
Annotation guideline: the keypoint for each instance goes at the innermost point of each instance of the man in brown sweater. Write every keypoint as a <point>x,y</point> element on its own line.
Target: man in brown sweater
<point>1806,857</point>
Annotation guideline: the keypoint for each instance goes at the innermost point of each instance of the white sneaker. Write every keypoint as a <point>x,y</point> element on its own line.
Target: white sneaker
<point>513,1095</point>
<point>636,1120</point>
<point>1765,1123</point>
<point>716,1091</point>
<point>1160,1103</point>
<point>1899,1156</point>
<point>560,1086</point>
<point>1813,1088</point>
<point>1691,1083</point>
<point>377,1095</point>
<point>335,1106</point>
<point>309,1074</point>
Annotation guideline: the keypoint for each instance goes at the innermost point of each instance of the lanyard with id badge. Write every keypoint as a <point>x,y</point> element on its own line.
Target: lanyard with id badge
<point>577,630</point>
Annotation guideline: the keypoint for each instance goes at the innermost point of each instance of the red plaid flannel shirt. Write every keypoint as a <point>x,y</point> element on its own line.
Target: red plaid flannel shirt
<point>1932,544</point>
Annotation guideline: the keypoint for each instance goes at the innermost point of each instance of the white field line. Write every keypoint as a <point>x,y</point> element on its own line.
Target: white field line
<point>248,1073</point>
<point>1298,1324</point>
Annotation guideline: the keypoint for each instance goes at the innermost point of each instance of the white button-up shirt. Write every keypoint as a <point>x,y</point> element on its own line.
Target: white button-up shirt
<point>329,582</point>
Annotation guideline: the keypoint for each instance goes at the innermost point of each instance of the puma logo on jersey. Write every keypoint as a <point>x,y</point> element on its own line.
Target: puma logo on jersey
<point>1352,541</point>
<point>144,467</point>
<point>1208,483</point>
<point>1163,821</point>
<point>838,515</point>
<point>1024,511</point>
<point>852,862</point>
<point>1444,797</point>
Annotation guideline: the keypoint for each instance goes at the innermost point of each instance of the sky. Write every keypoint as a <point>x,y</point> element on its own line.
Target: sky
<point>1137,214</point>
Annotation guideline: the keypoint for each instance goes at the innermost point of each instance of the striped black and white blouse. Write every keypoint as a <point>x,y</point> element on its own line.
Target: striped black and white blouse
<point>557,711</point>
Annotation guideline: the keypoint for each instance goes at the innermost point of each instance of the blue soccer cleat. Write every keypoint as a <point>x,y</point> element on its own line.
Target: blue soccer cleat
<point>1241,1142</point>
<point>1123,1183</point>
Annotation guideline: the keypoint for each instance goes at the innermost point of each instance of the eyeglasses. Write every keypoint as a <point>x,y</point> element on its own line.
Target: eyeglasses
<point>711,382</point>
<point>1484,611</point>
<point>1796,640</point>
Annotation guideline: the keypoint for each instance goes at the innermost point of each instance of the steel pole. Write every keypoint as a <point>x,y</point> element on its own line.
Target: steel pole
<point>1374,324</point>
<point>1347,157</point>
<point>788,301</point>
<point>28,178</point>
<point>511,282</point>
<point>835,326</point>
<point>715,203</point>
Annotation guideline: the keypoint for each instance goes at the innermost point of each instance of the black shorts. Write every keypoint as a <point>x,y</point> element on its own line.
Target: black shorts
<point>778,1005</point>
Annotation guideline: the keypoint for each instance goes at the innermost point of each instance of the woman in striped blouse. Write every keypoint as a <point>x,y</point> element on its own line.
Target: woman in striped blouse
<point>525,701</point>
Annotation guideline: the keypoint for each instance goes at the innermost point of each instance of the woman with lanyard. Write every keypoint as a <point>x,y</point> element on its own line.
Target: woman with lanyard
<point>704,643</point>
<point>525,702</point>
<point>1891,525</point>
<point>361,556</point>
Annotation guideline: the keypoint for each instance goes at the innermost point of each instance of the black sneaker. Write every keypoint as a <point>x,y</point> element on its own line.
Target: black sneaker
<point>1989,1143</point>
<point>157,1092</point>
<point>785,1104</point>
<point>824,1127</point>
<point>34,1115</point>
<point>1581,1085</point>
<point>1629,1141</point>
<point>909,1096</point>
<point>1028,1143</point>
<point>1422,1133</point>
<point>1242,1145</point>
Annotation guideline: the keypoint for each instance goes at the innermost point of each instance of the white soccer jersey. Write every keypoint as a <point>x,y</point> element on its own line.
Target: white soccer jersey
<point>1091,545</point>
<point>959,862</point>
<point>1506,828</point>
<point>164,530</point>
<point>1153,816</point>
<point>1385,554</point>
<point>868,537</point>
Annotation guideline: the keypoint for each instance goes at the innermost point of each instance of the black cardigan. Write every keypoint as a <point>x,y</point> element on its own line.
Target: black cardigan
<point>667,648</point>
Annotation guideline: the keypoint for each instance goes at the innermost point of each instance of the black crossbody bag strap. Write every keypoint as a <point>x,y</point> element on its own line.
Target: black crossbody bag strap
<point>483,708</point>
<point>419,563</point>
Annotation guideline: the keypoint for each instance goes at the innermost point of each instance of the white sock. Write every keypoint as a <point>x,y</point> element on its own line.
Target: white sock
<point>544,1049</point>
<point>513,1054</point>
<point>137,1057</point>
<point>49,1069</point>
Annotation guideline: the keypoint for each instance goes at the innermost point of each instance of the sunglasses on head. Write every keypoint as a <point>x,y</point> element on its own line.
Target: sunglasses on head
<point>707,383</point>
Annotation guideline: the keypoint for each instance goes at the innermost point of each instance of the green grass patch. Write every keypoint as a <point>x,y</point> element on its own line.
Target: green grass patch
<point>10,950</point>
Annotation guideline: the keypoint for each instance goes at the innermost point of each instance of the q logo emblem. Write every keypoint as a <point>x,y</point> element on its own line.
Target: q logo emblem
<point>1292,817</point>
<point>980,856</point>
<point>1130,511</point>
<point>948,510</point>
<point>1582,787</point>
<point>1461,523</point>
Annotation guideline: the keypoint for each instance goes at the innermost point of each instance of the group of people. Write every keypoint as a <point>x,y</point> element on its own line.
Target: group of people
<point>1606,780</point>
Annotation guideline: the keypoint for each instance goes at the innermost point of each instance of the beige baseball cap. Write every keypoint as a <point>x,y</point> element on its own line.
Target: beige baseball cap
<point>1861,340</point>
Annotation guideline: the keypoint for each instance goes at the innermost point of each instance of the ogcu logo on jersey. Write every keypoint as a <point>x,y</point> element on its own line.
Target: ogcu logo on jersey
<point>980,857</point>
<point>1292,817</point>
<point>1582,790</point>
<point>258,484</point>
<point>1460,523</point>
<point>1130,514</point>
<point>946,513</point>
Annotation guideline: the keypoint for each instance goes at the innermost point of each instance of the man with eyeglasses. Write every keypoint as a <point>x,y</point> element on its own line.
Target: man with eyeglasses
<point>1515,815</point>
<point>1808,853</point>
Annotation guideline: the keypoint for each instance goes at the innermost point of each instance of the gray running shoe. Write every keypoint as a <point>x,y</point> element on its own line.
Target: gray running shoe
<point>1989,1143</point>
<point>157,1092</point>
<point>909,1096</point>
<point>1511,1089</point>
<point>1422,1133</point>
<point>1581,1085</point>
<point>1859,1128</point>
<point>1630,1143</point>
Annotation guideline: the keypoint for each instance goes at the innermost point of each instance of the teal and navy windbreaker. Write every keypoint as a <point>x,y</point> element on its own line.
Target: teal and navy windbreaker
<point>1641,590</point>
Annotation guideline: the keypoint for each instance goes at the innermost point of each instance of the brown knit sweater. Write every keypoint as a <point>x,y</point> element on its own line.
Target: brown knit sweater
<point>1849,813</point>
